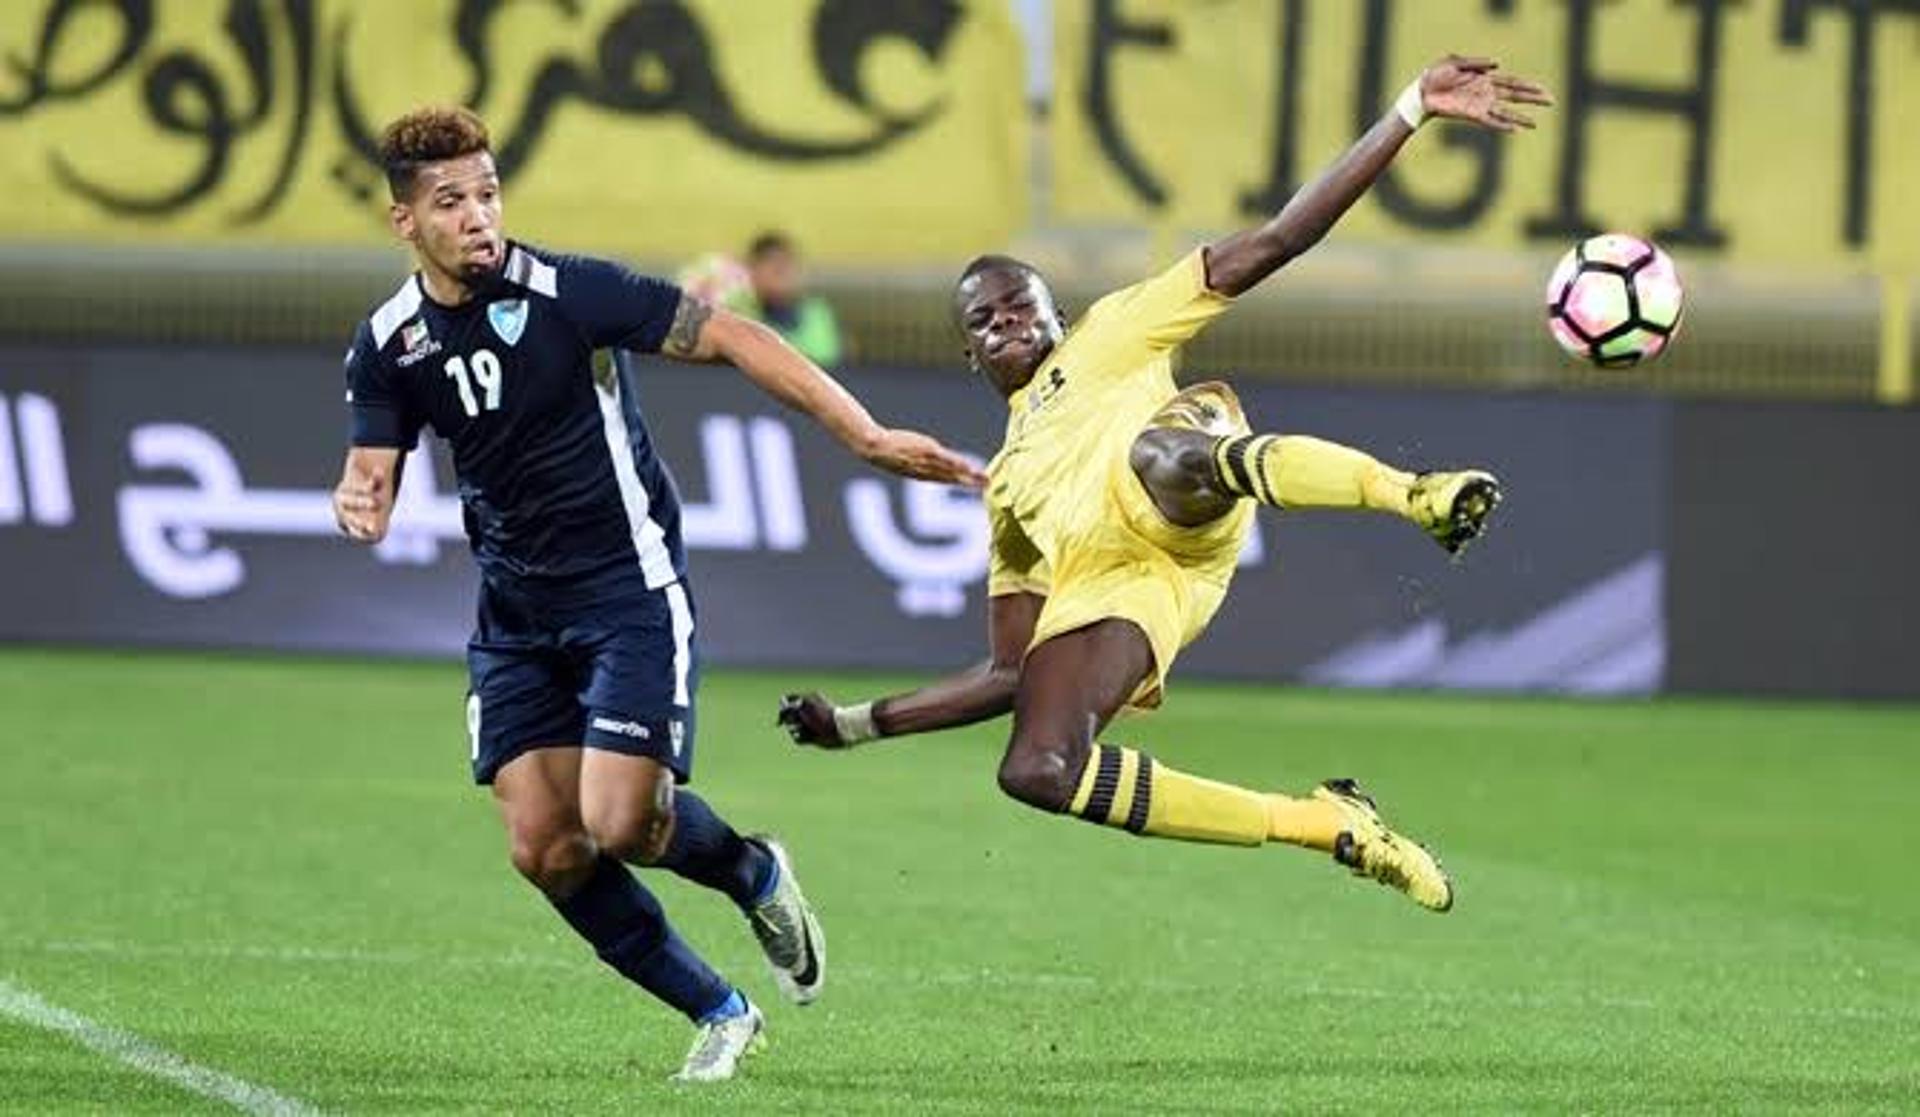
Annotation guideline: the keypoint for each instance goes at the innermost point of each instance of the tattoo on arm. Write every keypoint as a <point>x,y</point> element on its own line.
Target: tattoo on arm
<point>689,318</point>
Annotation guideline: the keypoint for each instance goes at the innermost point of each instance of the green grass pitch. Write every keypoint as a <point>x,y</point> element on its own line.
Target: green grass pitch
<point>277,869</point>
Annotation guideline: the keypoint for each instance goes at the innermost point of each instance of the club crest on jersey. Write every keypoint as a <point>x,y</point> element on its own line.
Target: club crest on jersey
<point>417,342</point>
<point>509,319</point>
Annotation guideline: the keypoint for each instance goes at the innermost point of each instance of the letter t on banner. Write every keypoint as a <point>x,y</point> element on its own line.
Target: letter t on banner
<point>1588,93</point>
<point>1795,18</point>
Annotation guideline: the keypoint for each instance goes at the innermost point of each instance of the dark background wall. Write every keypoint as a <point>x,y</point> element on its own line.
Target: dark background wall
<point>1794,561</point>
<point>178,496</point>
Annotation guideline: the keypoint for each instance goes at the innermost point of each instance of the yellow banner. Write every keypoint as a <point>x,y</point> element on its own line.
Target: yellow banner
<point>1769,130</point>
<point>658,128</point>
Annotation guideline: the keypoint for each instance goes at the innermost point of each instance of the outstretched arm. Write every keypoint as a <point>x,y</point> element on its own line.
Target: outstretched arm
<point>984,691</point>
<point>704,333</point>
<point>1456,88</point>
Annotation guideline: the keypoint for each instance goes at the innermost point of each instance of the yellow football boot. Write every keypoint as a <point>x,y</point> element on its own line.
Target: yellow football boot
<point>1454,508</point>
<point>1370,849</point>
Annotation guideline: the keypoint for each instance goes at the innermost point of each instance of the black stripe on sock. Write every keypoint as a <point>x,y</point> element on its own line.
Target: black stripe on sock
<point>1239,478</point>
<point>1259,450</point>
<point>1106,783</point>
<point>1142,791</point>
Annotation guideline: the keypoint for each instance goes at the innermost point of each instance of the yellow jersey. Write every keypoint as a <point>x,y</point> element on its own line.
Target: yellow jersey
<point>1075,422</point>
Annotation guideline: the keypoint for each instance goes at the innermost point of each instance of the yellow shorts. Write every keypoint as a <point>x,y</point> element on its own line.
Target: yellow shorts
<point>1131,564</point>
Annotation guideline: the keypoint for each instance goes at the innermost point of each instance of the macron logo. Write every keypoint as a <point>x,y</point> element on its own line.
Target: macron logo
<point>624,728</point>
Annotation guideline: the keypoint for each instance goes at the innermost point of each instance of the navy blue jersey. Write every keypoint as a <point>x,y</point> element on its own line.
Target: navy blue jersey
<point>559,484</point>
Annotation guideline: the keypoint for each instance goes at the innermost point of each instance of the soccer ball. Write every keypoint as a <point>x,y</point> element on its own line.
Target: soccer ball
<point>1614,300</point>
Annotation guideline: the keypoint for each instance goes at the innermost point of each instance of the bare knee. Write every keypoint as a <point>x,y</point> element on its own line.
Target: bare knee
<point>1042,776</point>
<point>553,859</point>
<point>1176,468</point>
<point>636,832</point>
<point>1171,459</point>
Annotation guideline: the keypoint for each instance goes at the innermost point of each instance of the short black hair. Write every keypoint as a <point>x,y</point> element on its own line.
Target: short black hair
<point>768,243</point>
<point>994,262</point>
<point>428,135</point>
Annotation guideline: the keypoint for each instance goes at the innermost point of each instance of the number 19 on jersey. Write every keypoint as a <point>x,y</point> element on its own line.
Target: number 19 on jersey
<point>484,372</point>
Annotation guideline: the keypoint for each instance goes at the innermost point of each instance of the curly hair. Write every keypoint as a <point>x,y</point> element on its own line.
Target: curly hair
<point>428,135</point>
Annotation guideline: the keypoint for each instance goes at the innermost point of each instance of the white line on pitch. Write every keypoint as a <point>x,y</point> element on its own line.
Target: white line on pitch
<point>23,1005</point>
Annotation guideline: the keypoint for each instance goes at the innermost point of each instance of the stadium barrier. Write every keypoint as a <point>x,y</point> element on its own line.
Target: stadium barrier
<point>1344,316</point>
<point>178,496</point>
<point>1791,535</point>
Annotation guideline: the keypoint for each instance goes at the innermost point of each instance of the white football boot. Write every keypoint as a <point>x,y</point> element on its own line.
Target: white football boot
<point>789,932</point>
<point>719,1046</point>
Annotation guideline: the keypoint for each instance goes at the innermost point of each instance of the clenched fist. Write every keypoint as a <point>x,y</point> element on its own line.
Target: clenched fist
<point>808,719</point>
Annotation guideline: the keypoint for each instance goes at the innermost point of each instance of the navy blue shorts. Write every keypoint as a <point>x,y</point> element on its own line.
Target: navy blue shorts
<point>619,676</point>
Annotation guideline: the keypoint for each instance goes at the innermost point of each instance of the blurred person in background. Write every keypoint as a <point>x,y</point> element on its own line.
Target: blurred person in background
<point>777,295</point>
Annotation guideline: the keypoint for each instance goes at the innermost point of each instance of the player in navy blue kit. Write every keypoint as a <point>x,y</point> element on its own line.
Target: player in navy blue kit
<point>582,660</point>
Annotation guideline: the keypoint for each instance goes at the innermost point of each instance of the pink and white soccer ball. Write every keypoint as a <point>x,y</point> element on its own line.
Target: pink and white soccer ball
<point>1614,300</point>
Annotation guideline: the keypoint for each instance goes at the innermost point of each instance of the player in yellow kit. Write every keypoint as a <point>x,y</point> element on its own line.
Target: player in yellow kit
<point>1119,506</point>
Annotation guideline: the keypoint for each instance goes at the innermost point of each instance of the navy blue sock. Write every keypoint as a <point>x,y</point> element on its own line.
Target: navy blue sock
<point>630,933</point>
<point>705,850</point>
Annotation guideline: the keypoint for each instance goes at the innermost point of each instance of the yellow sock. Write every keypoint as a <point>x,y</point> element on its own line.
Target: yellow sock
<point>1302,822</point>
<point>1129,790</point>
<point>1296,471</point>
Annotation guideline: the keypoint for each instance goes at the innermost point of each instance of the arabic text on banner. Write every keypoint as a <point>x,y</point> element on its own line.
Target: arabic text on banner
<point>656,128</point>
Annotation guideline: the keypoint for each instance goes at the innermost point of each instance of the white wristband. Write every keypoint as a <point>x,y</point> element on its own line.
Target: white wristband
<point>1411,106</point>
<point>855,723</point>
